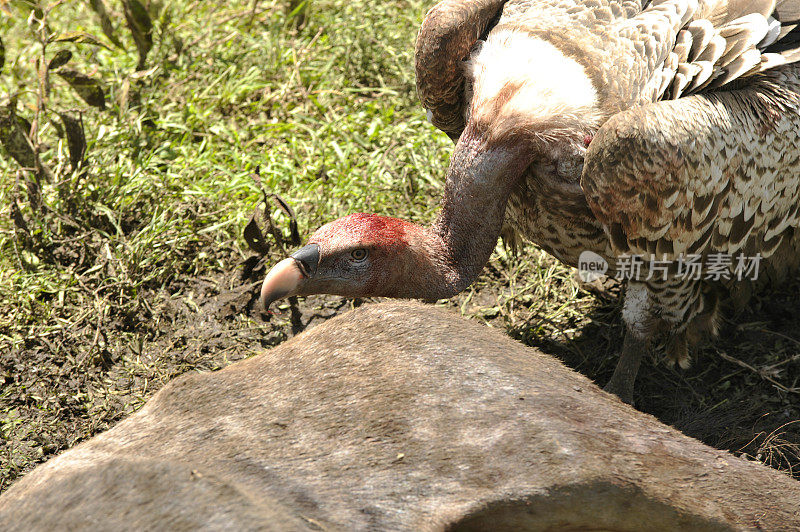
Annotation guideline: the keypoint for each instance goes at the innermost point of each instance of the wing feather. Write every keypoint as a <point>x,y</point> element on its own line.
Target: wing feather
<point>449,31</point>
<point>710,173</point>
<point>721,41</point>
<point>686,46</point>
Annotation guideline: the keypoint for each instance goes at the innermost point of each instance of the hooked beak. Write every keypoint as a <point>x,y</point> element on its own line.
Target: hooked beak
<point>286,277</point>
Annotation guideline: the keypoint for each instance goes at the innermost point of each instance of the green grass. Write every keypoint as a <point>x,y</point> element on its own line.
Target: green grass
<point>102,301</point>
<point>130,273</point>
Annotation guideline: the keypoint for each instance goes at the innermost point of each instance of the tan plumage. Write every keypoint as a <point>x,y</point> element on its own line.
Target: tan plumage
<point>696,149</point>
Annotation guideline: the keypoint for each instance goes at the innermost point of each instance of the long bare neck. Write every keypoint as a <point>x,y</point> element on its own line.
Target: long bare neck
<point>510,100</point>
<point>454,249</point>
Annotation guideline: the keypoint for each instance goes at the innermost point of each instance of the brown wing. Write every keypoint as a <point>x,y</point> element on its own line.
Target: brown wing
<point>717,42</point>
<point>676,46</point>
<point>716,172</point>
<point>449,31</point>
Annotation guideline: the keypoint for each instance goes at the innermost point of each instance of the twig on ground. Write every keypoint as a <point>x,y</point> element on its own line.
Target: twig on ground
<point>761,374</point>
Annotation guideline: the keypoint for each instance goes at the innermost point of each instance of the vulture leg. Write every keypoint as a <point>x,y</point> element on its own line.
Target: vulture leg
<point>633,350</point>
<point>640,319</point>
<point>653,308</point>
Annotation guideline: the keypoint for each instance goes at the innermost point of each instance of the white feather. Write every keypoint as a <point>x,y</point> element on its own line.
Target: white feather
<point>549,87</point>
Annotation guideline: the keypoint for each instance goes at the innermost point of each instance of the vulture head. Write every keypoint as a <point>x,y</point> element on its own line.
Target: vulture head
<point>357,255</point>
<point>508,112</point>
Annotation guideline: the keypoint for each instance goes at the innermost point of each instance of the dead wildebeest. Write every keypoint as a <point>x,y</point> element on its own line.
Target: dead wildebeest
<point>396,416</point>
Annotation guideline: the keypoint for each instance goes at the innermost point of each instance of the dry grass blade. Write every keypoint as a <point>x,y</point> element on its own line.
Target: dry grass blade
<point>88,89</point>
<point>294,234</point>
<point>141,27</point>
<point>60,59</point>
<point>14,139</point>
<point>758,372</point>
<point>76,138</point>
<point>775,451</point>
<point>79,37</point>
<point>99,7</point>
<point>19,221</point>
<point>253,236</point>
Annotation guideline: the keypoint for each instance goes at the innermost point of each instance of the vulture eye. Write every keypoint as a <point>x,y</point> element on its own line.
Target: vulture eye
<point>359,254</point>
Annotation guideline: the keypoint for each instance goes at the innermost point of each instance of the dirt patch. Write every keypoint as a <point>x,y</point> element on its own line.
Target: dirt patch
<point>90,366</point>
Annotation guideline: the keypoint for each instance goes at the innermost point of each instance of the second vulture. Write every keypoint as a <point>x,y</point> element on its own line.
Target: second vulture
<point>659,131</point>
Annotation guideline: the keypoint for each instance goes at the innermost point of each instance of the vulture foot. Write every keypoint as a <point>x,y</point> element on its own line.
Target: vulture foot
<point>621,382</point>
<point>677,350</point>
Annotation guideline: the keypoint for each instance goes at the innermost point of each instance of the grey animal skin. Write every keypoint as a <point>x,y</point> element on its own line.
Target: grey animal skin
<point>396,416</point>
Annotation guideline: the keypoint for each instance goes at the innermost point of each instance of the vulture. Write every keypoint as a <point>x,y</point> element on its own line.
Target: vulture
<point>661,133</point>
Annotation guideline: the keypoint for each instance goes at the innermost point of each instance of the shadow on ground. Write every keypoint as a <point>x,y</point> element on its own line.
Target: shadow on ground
<point>741,392</point>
